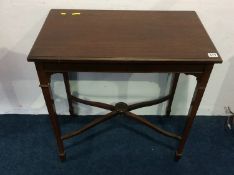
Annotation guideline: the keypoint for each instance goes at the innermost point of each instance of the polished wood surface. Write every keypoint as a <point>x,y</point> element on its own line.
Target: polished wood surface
<point>123,41</point>
<point>123,36</point>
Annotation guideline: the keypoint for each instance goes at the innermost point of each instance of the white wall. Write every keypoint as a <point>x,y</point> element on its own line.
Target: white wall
<point>19,92</point>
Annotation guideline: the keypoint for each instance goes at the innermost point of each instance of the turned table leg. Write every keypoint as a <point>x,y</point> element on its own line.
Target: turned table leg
<point>172,92</point>
<point>44,79</point>
<point>202,80</point>
<point>68,90</point>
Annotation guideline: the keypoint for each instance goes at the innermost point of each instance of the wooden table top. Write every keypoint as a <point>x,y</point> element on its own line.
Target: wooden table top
<point>120,36</point>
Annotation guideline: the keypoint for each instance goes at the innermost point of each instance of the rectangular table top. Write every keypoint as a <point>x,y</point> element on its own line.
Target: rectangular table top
<point>120,36</point>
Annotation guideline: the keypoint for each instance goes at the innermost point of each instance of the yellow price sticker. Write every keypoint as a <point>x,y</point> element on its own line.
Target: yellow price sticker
<point>75,14</point>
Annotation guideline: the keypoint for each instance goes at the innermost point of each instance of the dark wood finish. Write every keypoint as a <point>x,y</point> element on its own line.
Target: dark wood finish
<point>149,103</point>
<point>123,36</point>
<point>147,123</point>
<point>124,67</point>
<point>202,81</point>
<point>123,41</point>
<point>90,125</point>
<point>44,79</point>
<point>172,92</point>
<point>120,108</point>
<point>68,90</point>
<point>92,103</point>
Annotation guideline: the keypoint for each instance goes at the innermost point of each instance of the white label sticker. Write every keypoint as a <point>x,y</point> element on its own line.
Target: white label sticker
<point>212,55</point>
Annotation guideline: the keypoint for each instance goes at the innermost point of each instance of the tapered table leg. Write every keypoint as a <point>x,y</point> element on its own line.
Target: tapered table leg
<point>172,92</point>
<point>197,96</point>
<point>44,79</point>
<point>68,90</point>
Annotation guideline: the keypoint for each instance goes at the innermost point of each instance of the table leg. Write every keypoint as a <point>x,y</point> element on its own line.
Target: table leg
<point>44,79</point>
<point>68,91</point>
<point>172,92</point>
<point>202,80</point>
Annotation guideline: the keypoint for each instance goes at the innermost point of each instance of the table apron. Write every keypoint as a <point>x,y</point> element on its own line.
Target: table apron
<point>121,67</point>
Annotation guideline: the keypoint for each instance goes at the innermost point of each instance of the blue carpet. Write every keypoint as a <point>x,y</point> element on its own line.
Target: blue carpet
<point>117,147</point>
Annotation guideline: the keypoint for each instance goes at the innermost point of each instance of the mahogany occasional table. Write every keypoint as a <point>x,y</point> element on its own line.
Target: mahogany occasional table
<point>123,41</point>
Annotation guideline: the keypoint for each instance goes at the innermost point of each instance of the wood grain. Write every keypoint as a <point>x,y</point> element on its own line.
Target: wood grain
<point>123,36</point>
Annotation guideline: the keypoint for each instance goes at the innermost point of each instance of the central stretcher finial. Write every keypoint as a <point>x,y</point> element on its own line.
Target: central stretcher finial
<point>121,107</point>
